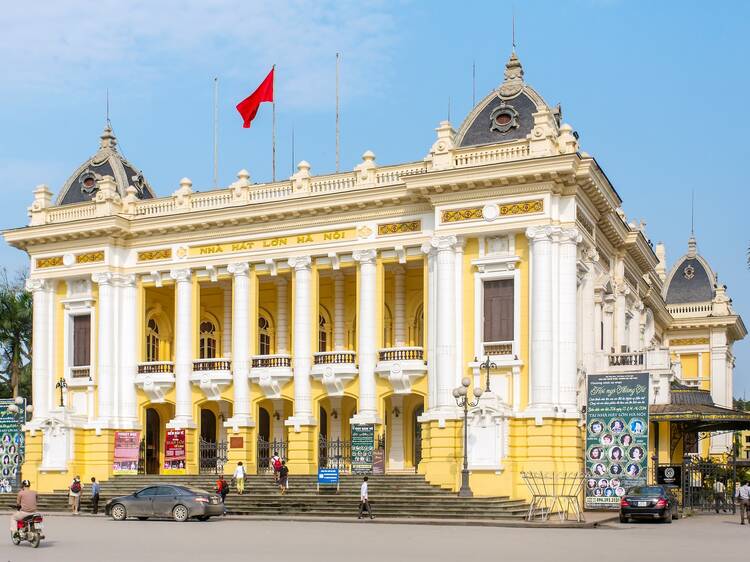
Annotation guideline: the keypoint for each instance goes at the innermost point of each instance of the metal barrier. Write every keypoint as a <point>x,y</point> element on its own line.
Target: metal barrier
<point>554,492</point>
<point>213,456</point>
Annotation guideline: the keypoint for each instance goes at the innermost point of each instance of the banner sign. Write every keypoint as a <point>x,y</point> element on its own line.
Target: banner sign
<point>328,476</point>
<point>127,450</point>
<point>378,461</point>
<point>363,444</point>
<point>616,437</point>
<point>669,475</point>
<point>174,450</point>
<point>12,444</point>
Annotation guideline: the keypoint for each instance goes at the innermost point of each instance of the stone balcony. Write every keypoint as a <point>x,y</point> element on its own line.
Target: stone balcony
<point>334,369</point>
<point>155,378</point>
<point>80,376</point>
<point>212,376</point>
<point>401,366</point>
<point>500,352</point>
<point>271,372</point>
<point>657,359</point>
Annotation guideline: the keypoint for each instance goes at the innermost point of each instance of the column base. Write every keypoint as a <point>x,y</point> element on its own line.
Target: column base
<point>182,423</point>
<point>365,418</point>
<point>298,421</point>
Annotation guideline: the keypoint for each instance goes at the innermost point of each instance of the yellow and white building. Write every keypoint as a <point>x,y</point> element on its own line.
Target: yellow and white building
<point>295,309</point>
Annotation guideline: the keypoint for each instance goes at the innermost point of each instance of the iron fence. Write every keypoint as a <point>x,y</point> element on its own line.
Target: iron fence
<point>213,456</point>
<point>335,453</point>
<point>266,450</point>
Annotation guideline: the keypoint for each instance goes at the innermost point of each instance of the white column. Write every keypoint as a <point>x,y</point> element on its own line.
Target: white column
<point>334,423</point>
<point>399,307</point>
<point>608,311</point>
<point>541,316</point>
<point>226,335</point>
<point>620,319</point>
<point>445,344</point>
<point>367,408</point>
<point>183,352</point>
<point>598,318</point>
<point>635,328</point>
<point>303,318</point>
<point>240,345</point>
<point>105,351</point>
<point>431,327</point>
<point>339,328</point>
<point>589,329</point>
<point>458,298</point>
<point>568,284</point>
<point>282,315</point>
<point>719,354</point>
<point>396,445</point>
<point>128,355</point>
<point>41,383</point>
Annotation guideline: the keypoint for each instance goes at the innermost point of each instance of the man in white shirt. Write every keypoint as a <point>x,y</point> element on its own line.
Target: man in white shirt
<point>720,501</point>
<point>364,501</point>
<point>239,478</point>
<point>743,494</point>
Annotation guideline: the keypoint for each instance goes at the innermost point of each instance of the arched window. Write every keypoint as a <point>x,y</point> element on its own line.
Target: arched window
<point>152,340</point>
<point>418,327</point>
<point>207,340</point>
<point>322,334</point>
<point>264,336</point>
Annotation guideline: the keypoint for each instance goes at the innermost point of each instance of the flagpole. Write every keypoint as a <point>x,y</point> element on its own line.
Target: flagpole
<point>338,139</point>
<point>473,83</point>
<point>216,132</point>
<point>293,150</point>
<point>273,129</point>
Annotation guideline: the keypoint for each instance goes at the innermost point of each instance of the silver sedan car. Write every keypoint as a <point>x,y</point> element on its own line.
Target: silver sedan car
<point>177,502</point>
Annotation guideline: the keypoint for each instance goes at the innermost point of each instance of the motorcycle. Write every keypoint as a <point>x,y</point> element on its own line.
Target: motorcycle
<point>29,529</point>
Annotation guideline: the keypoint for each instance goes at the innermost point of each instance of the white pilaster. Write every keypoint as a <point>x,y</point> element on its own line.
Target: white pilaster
<point>367,408</point>
<point>339,329</point>
<point>431,327</point>
<point>303,318</point>
<point>183,354</point>
<point>282,315</point>
<point>241,416</point>
<point>399,306</point>
<point>568,284</point>
<point>460,369</point>
<point>608,312</point>
<point>128,352</point>
<point>590,327</point>
<point>598,319</point>
<point>396,445</point>
<point>620,320</point>
<point>105,350</point>
<point>41,386</point>
<point>226,335</point>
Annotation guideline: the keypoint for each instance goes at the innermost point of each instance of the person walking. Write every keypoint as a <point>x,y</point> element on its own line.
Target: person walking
<point>364,500</point>
<point>720,501</point>
<point>276,465</point>
<point>75,495</point>
<point>94,496</point>
<point>283,477</point>
<point>743,494</point>
<point>239,478</point>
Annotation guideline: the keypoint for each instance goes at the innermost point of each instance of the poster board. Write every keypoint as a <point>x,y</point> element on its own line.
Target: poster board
<point>616,437</point>
<point>127,451</point>
<point>363,445</point>
<point>12,447</point>
<point>174,452</point>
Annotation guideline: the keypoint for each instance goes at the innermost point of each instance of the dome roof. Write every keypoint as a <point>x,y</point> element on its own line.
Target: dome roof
<point>691,279</point>
<point>81,186</point>
<point>506,114</point>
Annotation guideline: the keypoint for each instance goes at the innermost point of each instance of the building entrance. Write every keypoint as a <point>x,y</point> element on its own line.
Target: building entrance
<point>152,441</point>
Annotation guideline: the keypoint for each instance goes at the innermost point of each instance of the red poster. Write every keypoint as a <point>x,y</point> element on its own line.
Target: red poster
<point>174,450</point>
<point>127,449</point>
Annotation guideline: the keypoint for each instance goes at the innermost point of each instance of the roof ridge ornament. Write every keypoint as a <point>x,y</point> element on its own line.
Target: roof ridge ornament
<point>513,82</point>
<point>109,140</point>
<point>692,248</point>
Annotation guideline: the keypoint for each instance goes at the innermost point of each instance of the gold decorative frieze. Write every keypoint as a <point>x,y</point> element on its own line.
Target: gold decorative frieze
<point>522,208</point>
<point>90,257</point>
<point>399,227</point>
<point>689,341</point>
<point>52,261</point>
<point>151,255</point>
<point>278,242</point>
<point>458,215</point>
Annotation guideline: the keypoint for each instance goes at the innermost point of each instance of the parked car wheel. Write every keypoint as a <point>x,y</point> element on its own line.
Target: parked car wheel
<point>119,513</point>
<point>668,517</point>
<point>180,513</point>
<point>203,518</point>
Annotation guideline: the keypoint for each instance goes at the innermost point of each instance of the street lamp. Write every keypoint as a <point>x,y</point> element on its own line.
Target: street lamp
<point>487,365</point>
<point>62,385</point>
<point>461,394</point>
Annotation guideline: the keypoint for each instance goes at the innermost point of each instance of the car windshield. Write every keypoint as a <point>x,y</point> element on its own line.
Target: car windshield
<point>646,491</point>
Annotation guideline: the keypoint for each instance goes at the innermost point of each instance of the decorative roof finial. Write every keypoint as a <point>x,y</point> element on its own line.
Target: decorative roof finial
<point>109,141</point>
<point>692,247</point>
<point>513,77</point>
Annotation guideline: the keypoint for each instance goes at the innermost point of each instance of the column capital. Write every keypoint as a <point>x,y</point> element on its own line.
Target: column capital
<point>239,268</point>
<point>365,256</point>
<point>541,233</point>
<point>124,280</point>
<point>570,236</point>
<point>299,263</point>
<point>34,285</point>
<point>104,278</point>
<point>181,275</point>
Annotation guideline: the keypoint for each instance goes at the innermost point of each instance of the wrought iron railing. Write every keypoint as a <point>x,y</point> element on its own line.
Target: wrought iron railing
<point>212,365</point>
<point>260,361</point>
<point>626,359</point>
<point>333,357</point>
<point>498,348</point>
<point>401,354</point>
<point>213,456</point>
<point>155,367</point>
<point>335,453</point>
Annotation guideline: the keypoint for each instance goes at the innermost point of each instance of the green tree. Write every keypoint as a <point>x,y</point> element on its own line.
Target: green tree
<point>15,336</point>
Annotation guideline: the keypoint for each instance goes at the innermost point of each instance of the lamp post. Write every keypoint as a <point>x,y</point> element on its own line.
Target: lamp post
<point>487,366</point>
<point>461,394</point>
<point>62,385</point>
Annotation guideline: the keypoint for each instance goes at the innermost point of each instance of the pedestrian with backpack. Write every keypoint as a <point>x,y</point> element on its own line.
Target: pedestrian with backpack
<point>276,465</point>
<point>283,478</point>
<point>75,495</point>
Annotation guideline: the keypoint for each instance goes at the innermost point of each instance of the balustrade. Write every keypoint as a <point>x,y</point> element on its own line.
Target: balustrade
<point>401,354</point>
<point>152,367</point>
<point>212,365</point>
<point>333,358</point>
<point>268,361</point>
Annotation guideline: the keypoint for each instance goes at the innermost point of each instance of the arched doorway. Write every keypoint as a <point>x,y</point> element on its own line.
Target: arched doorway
<point>323,422</point>
<point>153,438</point>
<point>264,424</point>
<point>418,411</point>
<point>208,426</point>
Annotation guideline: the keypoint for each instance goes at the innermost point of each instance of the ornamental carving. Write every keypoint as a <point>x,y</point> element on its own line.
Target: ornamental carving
<point>151,255</point>
<point>689,341</point>
<point>399,227</point>
<point>458,215</point>
<point>52,261</point>
<point>522,208</point>
<point>90,257</point>
<point>584,221</point>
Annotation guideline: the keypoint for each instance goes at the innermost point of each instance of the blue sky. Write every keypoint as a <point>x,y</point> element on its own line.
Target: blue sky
<point>657,91</point>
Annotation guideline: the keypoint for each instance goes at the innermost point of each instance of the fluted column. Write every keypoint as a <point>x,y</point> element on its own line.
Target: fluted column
<point>183,353</point>
<point>282,315</point>
<point>338,311</point>
<point>105,351</point>
<point>541,317</point>
<point>302,327</point>
<point>399,307</point>
<point>226,334</point>
<point>568,284</point>
<point>41,381</point>
<point>620,319</point>
<point>128,351</point>
<point>366,337</point>
<point>240,345</point>
<point>590,326</point>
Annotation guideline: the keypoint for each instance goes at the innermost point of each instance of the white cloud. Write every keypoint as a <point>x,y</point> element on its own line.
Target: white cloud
<point>69,45</point>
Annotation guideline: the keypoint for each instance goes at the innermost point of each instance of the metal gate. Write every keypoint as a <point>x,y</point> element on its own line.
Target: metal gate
<point>335,453</point>
<point>707,486</point>
<point>266,450</point>
<point>213,456</point>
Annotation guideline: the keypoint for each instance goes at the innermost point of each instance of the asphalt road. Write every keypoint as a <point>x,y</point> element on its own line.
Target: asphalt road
<point>85,539</point>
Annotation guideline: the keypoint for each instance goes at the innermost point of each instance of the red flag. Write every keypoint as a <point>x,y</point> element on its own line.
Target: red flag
<point>248,107</point>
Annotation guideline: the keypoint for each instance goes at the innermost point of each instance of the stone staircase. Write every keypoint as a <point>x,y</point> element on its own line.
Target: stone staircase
<point>397,495</point>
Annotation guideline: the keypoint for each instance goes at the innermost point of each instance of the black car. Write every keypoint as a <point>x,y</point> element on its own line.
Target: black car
<point>650,502</point>
<point>177,502</point>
